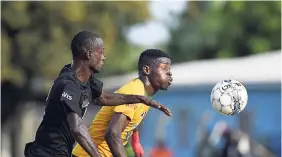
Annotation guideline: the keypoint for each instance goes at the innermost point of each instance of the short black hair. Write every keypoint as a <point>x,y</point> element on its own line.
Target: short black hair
<point>82,42</point>
<point>147,56</point>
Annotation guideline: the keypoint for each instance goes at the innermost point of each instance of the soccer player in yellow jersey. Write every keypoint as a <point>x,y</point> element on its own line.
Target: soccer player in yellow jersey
<point>114,125</point>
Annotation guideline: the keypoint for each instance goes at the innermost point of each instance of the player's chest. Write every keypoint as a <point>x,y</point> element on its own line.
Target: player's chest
<point>140,112</point>
<point>85,100</point>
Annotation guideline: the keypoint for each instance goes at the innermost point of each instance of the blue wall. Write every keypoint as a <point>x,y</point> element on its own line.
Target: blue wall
<point>263,103</point>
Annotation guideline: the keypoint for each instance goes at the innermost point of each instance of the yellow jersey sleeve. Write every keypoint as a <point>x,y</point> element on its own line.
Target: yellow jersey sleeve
<point>135,87</point>
<point>127,110</point>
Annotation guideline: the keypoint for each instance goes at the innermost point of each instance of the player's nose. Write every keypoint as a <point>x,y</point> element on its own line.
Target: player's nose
<point>169,73</point>
<point>103,57</point>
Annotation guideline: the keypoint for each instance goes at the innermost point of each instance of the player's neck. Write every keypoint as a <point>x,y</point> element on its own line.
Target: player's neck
<point>81,70</point>
<point>147,85</point>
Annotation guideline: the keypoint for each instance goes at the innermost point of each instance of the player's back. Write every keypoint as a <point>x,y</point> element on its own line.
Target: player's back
<point>53,137</point>
<point>103,118</point>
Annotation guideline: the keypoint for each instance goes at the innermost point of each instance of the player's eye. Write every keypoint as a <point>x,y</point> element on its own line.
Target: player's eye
<point>166,68</point>
<point>100,50</point>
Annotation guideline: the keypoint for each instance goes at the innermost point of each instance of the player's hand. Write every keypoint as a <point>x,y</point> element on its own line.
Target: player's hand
<point>155,104</point>
<point>161,107</point>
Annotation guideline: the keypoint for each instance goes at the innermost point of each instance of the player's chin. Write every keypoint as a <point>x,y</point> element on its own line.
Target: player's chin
<point>97,70</point>
<point>165,87</point>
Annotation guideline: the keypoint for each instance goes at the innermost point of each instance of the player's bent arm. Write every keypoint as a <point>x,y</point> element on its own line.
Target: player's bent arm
<point>81,135</point>
<point>135,144</point>
<point>113,134</point>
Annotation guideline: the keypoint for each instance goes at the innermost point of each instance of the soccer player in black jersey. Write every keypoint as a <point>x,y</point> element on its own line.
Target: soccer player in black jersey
<point>71,93</point>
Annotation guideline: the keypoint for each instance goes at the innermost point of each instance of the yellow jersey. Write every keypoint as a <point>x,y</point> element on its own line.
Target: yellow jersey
<point>99,126</point>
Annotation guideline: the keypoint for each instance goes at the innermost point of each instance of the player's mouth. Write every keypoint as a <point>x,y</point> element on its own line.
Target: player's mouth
<point>170,81</point>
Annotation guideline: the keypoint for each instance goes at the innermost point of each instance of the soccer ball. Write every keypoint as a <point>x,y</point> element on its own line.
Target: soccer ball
<point>229,97</point>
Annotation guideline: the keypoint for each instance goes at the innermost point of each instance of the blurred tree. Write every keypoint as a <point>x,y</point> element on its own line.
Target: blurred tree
<point>225,29</point>
<point>36,36</point>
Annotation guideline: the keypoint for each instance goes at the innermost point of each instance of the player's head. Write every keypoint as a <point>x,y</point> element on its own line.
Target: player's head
<point>89,47</point>
<point>155,64</point>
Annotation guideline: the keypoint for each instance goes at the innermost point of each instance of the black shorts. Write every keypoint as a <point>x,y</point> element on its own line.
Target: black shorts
<point>31,151</point>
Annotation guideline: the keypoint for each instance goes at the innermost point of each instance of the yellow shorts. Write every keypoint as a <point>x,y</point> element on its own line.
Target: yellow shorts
<point>104,152</point>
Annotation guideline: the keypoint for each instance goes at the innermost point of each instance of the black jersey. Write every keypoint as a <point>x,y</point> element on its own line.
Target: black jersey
<point>67,94</point>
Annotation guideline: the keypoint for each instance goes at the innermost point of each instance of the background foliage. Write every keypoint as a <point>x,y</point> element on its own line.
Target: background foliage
<point>225,29</point>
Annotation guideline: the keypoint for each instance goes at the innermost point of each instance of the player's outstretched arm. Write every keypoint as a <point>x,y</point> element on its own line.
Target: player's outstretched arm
<point>113,134</point>
<point>81,135</point>
<point>115,99</point>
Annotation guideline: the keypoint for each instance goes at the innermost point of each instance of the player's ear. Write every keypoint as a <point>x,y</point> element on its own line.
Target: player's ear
<point>88,54</point>
<point>146,70</point>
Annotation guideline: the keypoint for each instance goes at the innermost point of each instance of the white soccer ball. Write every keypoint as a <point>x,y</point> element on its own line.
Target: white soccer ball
<point>229,97</point>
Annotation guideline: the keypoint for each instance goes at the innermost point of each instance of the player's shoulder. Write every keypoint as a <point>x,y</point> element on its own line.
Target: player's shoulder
<point>66,78</point>
<point>67,82</point>
<point>135,86</point>
<point>68,90</point>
